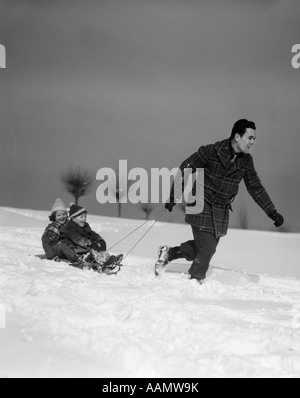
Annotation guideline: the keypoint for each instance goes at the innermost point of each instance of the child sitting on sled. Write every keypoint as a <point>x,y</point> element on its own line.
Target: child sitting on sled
<point>57,245</point>
<point>52,242</point>
<point>82,240</point>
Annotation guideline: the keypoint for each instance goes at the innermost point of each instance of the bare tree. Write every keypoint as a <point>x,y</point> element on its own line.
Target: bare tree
<point>147,209</point>
<point>182,207</point>
<point>285,228</point>
<point>118,192</point>
<point>77,182</point>
<point>119,195</point>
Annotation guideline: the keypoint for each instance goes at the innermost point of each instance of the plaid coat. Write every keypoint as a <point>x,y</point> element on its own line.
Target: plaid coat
<point>51,237</point>
<point>221,184</point>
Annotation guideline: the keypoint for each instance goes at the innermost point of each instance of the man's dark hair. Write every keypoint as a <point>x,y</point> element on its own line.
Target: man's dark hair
<point>241,126</point>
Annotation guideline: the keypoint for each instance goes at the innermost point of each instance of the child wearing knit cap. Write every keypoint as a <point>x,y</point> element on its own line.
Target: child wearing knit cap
<point>80,238</point>
<point>52,238</point>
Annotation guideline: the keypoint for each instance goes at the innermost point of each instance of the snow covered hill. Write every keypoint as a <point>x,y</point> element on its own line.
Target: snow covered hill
<point>57,321</point>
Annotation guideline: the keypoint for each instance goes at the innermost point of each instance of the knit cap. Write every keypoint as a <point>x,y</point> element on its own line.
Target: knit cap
<point>76,211</point>
<point>58,206</point>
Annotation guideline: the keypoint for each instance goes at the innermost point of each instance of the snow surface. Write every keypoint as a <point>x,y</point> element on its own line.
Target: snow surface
<point>58,321</point>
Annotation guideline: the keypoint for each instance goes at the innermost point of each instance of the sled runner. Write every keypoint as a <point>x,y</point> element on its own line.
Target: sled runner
<point>111,269</point>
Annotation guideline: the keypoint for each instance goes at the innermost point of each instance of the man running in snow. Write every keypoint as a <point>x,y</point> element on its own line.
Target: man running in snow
<point>225,165</point>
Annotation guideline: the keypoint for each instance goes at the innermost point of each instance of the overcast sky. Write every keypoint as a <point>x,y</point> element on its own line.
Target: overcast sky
<point>93,81</point>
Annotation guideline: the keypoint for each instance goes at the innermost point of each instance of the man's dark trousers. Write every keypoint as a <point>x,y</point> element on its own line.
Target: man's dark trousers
<point>200,251</point>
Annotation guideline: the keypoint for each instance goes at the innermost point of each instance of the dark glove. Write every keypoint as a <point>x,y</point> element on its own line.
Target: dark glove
<point>277,218</point>
<point>101,245</point>
<point>169,206</point>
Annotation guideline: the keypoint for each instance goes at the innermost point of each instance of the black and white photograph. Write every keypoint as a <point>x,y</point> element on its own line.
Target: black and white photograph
<point>149,191</point>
